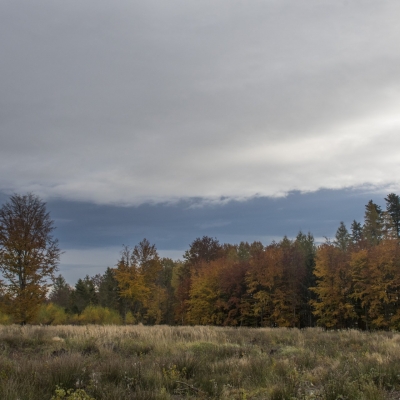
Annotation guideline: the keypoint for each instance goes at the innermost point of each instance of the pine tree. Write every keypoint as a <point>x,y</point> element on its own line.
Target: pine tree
<point>393,208</point>
<point>61,293</point>
<point>307,246</point>
<point>342,237</point>
<point>83,295</point>
<point>108,290</point>
<point>373,223</point>
<point>356,232</point>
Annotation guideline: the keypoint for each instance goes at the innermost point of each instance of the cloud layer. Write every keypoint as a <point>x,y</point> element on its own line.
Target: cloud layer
<point>130,102</point>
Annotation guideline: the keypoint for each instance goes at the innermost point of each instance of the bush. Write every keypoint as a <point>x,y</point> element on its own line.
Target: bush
<point>129,318</point>
<point>70,394</point>
<point>100,316</point>
<point>51,314</point>
<point>5,319</point>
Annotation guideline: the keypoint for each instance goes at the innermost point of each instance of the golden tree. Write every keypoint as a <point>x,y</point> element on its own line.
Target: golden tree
<point>138,274</point>
<point>334,306</point>
<point>131,282</point>
<point>377,282</point>
<point>204,293</point>
<point>29,255</point>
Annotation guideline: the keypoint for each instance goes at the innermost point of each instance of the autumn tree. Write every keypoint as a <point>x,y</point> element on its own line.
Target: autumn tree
<point>146,257</point>
<point>376,280</point>
<point>204,293</point>
<point>29,255</point>
<point>262,278</point>
<point>334,306</point>
<point>217,290</point>
<point>138,274</point>
<point>278,282</point>
<point>202,251</point>
<point>233,299</point>
<point>131,283</point>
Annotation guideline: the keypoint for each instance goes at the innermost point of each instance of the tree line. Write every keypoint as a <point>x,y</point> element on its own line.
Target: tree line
<point>352,281</point>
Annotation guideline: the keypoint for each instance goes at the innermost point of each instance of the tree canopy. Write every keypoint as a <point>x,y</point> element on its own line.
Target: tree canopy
<point>29,255</point>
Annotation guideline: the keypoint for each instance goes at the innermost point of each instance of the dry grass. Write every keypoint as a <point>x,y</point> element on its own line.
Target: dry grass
<point>162,362</point>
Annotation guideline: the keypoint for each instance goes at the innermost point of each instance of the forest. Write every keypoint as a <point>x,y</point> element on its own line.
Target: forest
<point>352,281</point>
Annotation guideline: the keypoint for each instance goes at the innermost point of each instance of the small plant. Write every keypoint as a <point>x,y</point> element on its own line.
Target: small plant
<point>71,394</point>
<point>173,373</point>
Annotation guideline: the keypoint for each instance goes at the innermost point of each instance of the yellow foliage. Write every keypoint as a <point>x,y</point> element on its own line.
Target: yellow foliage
<point>5,319</point>
<point>334,306</point>
<point>131,282</point>
<point>51,314</point>
<point>129,318</point>
<point>100,316</point>
<point>377,282</point>
<point>204,293</point>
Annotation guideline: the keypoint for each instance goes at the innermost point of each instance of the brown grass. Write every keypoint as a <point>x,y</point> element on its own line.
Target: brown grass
<point>163,362</point>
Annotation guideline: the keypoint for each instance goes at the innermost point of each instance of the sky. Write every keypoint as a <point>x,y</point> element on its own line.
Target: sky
<point>175,119</point>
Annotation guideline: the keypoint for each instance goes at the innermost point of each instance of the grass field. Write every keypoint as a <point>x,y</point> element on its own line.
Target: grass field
<point>162,362</point>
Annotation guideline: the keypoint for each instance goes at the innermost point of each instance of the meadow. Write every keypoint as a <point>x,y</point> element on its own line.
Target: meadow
<point>196,362</point>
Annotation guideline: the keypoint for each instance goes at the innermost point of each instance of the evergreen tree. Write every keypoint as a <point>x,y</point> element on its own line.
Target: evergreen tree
<point>83,295</point>
<point>389,229</point>
<point>307,245</point>
<point>108,290</point>
<point>373,223</point>
<point>393,208</point>
<point>61,293</point>
<point>356,232</point>
<point>166,282</point>
<point>342,237</point>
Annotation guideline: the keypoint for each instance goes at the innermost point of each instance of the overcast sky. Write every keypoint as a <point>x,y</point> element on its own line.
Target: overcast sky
<point>177,119</point>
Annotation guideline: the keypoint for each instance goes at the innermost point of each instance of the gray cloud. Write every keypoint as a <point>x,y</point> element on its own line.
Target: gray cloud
<point>130,102</point>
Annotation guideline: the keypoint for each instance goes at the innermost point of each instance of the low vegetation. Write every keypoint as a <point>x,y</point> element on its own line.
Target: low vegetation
<point>198,362</point>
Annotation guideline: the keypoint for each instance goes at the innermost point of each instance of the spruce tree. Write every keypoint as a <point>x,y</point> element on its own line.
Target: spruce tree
<point>393,209</point>
<point>373,223</point>
<point>356,232</point>
<point>342,237</point>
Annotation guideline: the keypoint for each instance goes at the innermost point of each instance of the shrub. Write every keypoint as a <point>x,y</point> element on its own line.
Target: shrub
<point>70,394</point>
<point>51,314</point>
<point>129,318</point>
<point>5,319</point>
<point>99,315</point>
